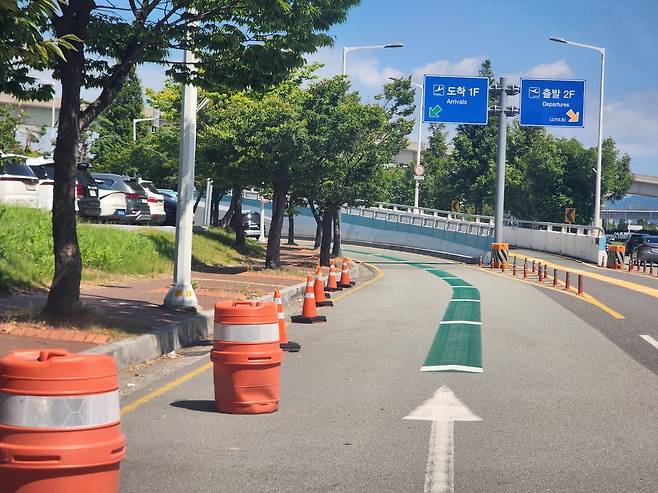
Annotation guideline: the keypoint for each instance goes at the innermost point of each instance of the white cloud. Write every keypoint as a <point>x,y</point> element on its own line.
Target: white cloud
<point>466,66</point>
<point>553,70</point>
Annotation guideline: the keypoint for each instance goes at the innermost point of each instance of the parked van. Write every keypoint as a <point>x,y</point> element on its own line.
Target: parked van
<point>18,183</point>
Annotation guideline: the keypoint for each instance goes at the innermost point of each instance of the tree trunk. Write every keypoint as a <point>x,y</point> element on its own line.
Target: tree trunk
<point>214,212</point>
<point>273,255</point>
<point>64,294</point>
<point>228,216</point>
<point>236,220</point>
<point>318,223</point>
<point>336,252</point>
<point>196,202</point>
<point>291,227</point>
<point>325,246</point>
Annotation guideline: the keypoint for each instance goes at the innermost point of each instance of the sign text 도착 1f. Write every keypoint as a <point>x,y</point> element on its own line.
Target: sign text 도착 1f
<point>451,99</point>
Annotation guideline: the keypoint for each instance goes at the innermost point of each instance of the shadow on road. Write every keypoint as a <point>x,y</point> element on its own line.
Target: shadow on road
<point>201,405</point>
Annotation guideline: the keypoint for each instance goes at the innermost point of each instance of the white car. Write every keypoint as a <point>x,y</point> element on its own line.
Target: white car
<point>46,182</point>
<point>18,183</point>
<point>155,201</point>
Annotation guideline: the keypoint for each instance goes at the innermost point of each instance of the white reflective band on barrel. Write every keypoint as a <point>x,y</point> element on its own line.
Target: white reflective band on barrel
<point>281,316</point>
<point>60,412</point>
<point>247,333</point>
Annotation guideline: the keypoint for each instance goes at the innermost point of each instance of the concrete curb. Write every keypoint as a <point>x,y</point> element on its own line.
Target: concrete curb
<point>164,340</point>
<point>175,335</point>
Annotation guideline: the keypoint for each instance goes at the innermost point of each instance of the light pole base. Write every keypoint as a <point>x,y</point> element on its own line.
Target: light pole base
<point>181,296</point>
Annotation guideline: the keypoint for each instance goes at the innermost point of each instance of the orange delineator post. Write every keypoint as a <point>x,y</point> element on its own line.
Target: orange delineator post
<point>332,285</point>
<point>554,277</point>
<point>59,423</point>
<point>581,286</point>
<point>284,343</point>
<point>309,311</point>
<point>499,254</point>
<point>318,289</point>
<point>567,283</point>
<point>345,281</point>
<point>525,270</point>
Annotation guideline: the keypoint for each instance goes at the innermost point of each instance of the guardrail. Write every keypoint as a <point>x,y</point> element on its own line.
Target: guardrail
<point>437,220</point>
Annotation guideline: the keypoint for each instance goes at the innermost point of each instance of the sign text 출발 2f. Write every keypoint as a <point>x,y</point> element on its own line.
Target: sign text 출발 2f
<point>552,103</point>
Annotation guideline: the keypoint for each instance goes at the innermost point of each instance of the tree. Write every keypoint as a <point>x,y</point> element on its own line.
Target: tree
<point>8,127</point>
<point>113,128</point>
<point>351,142</point>
<point>244,43</point>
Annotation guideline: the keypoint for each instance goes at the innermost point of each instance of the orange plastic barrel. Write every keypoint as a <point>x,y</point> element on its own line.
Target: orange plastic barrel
<point>59,423</point>
<point>247,357</point>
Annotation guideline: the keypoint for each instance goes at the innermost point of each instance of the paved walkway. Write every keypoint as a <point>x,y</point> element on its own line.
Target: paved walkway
<point>138,300</point>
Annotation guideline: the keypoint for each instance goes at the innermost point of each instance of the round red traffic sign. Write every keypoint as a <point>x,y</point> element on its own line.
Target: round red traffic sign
<point>419,170</point>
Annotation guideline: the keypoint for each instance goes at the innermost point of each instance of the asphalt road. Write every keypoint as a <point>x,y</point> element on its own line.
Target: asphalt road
<point>564,406</point>
<point>620,291</point>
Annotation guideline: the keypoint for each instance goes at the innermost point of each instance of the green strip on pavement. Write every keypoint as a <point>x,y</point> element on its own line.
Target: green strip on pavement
<point>457,345</point>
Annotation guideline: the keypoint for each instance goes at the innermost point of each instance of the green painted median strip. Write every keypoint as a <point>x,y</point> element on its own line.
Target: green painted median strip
<point>457,345</point>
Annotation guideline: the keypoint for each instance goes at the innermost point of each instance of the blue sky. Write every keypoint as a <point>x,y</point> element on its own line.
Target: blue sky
<point>452,38</point>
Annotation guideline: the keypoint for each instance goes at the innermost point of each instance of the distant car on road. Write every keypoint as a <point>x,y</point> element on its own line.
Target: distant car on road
<point>647,251</point>
<point>137,208</point>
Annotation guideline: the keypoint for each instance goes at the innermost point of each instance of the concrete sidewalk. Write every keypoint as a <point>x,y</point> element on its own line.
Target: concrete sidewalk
<point>157,331</point>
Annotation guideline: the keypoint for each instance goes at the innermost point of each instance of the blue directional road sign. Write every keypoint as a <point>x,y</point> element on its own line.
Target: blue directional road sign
<point>450,99</point>
<point>552,103</point>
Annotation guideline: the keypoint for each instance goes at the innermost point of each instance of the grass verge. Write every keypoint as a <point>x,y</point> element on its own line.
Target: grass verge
<point>26,250</point>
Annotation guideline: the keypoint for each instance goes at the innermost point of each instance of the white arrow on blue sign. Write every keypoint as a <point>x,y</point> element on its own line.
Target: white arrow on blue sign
<point>453,99</point>
<point>552,103</point>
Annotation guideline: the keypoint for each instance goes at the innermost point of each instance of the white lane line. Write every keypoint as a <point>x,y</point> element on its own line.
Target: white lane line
<point>470,287</point>
<point>650,340</point>
<point>464,299</point>
<point>470,369</point>
<point>468,322</point>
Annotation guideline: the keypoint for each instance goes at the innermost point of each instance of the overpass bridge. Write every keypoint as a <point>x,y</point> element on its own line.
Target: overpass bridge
<point>644,185</point>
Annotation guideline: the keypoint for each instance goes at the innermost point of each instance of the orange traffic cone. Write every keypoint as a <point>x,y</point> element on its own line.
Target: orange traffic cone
<point>345,276</point>
<point>332,285</point>
<point>318,289</point>
<point>309,313</point>
<point>284,343</point>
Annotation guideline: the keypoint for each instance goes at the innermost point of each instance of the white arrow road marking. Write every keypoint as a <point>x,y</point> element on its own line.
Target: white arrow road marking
<point>443,409</point>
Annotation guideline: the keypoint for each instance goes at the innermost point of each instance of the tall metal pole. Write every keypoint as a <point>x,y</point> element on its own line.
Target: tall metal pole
<point>599,155</point>
<point>207,209</point>
<point>181,294</point>
<point>420,139</point>
<point>261,235</point>
<point>500,163</point>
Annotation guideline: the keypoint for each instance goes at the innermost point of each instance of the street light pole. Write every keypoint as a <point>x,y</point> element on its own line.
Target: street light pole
<point>181,293</point>
<point>599,155</point>
<point>346,50</point>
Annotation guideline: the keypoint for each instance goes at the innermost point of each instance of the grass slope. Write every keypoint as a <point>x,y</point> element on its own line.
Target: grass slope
<point>26,249</point>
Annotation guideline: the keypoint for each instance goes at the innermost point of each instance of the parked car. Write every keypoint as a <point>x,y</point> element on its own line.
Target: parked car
<point>155,201</point>
<point>251,223</point>
<point>18,183</point>
<point>170,205</point>
<point>136,203</point>
<point>634,240</point>
<point>87,203</point>
<point>647,251</point>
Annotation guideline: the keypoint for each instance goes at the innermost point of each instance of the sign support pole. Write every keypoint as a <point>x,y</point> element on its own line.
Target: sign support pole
<point>500,163</point>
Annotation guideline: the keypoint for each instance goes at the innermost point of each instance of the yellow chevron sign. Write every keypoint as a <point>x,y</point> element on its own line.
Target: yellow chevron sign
<point>570,215</point>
